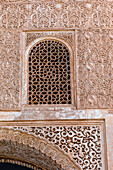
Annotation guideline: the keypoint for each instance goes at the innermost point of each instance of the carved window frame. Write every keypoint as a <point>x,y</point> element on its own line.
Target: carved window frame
<point>25,70</point>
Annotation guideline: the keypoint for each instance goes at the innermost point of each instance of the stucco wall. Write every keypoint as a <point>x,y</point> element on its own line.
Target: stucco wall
<point>88,27</point>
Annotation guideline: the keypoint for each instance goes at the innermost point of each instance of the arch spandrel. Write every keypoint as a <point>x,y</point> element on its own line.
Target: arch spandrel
<point>23,141</point>
<point>42,38</point>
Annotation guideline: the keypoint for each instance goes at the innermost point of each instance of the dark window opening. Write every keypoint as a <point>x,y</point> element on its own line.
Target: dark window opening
<point>9,166</point>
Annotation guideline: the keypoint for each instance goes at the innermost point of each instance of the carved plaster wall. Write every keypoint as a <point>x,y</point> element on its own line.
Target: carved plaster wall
<point>87,28</point>
<point>9,64</point>
<point>95,68</point>
<point>96,42</point>
<point>29,40</point>
<point>55,14</point>
<point>73,145</point>
<point>24,155</point>
<point>38,158</point>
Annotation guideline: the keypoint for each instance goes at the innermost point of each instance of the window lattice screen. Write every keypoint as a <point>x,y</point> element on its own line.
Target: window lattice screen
<point>49,74</point>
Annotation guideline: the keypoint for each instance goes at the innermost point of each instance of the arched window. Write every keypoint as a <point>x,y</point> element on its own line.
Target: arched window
<point>49,80</point>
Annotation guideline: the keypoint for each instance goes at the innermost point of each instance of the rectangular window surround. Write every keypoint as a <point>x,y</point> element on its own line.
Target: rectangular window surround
<point>28,40</point>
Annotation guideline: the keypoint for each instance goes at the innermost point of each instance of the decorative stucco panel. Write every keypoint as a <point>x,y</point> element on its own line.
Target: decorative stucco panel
<point>65,14</point>
<point>9,69</point>
<point>93,47</point>
<point>95,68</point>
<point>84,144</point>
<point>86,27</point>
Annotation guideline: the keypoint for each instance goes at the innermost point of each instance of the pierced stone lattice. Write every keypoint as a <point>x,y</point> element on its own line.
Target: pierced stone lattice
<point>49,73</point>
<point>82,143</point>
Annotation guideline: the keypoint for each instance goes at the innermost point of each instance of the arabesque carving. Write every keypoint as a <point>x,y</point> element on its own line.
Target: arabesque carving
<point>9,69</point>
<point>81,143</point>
<point>94,88</point>
<point>54,14</point>
<point>41,145</point>
<point>95,68</point>
<point>69,14</point>
<point>24,155</point>
<point>67,35</point>
<point>13,15</point>
<point>86,27</point>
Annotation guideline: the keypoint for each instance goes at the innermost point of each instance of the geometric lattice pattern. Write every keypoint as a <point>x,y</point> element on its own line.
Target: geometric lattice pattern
<point>49,74</point>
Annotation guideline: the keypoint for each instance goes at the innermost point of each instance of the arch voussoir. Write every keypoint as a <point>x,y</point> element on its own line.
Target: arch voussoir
<point>42,145</point>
